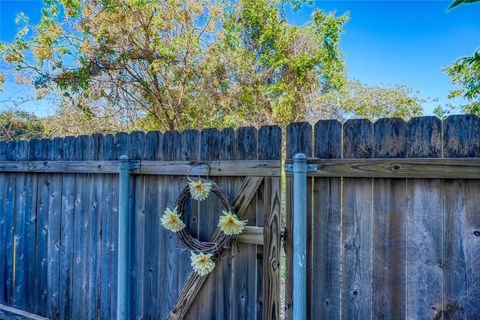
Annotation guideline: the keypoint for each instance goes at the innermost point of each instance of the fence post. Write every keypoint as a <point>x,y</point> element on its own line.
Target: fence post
<point>300,169</point>
<point>125,168</point>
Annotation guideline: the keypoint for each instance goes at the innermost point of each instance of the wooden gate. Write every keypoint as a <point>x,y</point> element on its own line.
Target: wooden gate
<point>393,215</point>
<point>59,224</point>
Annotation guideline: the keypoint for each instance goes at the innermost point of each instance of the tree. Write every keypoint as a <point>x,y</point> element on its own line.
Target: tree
<point>356,99</point>
<point>179,63</point>
<point>18,124</point>
<point>466,73</point>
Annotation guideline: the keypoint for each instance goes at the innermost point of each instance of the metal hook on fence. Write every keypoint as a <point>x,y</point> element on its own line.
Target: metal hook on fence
<point>199,163</point>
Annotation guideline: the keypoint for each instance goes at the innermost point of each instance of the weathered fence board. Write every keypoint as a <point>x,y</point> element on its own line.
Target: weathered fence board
<point>408,222</point>
<point>462,224</point>
<point>424,221</point>
<point>269,148</point>
<point>327,216</point>
<point>357,225</point>
<point>389,227</point>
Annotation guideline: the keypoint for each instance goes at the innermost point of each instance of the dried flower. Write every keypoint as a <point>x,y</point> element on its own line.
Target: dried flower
<point>171,220</point>
<point>230,224</point>
<point>202,263</point>
<point>199,189</point>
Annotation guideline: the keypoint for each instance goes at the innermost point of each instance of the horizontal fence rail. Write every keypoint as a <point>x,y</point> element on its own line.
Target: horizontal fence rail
<point>468,168</point>
<point>227,168</point>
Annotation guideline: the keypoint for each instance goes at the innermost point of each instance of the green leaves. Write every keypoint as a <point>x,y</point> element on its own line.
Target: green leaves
<point>465,72</point>
<point>169,65</point>
<point>456,3</point>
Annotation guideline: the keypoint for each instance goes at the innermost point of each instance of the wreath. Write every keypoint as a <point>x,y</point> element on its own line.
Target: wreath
<point>203,253</point>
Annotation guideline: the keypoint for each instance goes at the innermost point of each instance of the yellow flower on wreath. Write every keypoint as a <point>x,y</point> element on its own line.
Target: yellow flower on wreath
<point>171,220</point>
<point>199,189</point>
<point>230,224</point>
<point>202,263</point>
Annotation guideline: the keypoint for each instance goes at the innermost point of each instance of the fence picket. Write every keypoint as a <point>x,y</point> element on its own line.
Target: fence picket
<point>270,148</point>
<point>24,184</point>
<point>461,223</point>
<point>190,150</point>
<point>108,216</point>
<point>55,152</point>
<point>389,225</point>
<point>357,226</point>
<point>80,232</point>
<point>424,220</point>
<point>240,301</point>
<point>169,187</point>
<point>326,234</point>
<point>152,228</point>
<point>42,232</point>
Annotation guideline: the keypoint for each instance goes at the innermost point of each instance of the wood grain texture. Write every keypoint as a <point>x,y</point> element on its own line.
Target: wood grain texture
<point>238,294</point>
<point>269,148</point>
<point>94,252</point>
<point>424,222</point>
<point>55,152</point>
<point>221,168</point>
<point>81,230</point>
<point>67,220</point>
<point>9,228</point>
<point>389,226</point>
<point>152,289</point>
<point>39,303</point>
<point>169,187</point>
<point>357,227</point>
<point>398,168</point>
<point>190,151</point>
<point>109,231</point>
<point>325,244</point>
<point>460,136</point>
<point>24,241</point>
<point>462,224</point>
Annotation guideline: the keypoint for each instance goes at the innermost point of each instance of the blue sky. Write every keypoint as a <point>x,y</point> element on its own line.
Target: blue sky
<point>385,42</point>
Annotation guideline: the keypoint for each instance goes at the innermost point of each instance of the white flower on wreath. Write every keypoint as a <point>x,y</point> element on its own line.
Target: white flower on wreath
<point>230,224</point>
<point>171,220</point>
<point>202,263</point>
<point>199,189</point>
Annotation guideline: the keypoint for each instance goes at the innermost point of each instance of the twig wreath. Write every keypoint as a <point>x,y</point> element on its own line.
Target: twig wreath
<point>203,253</point>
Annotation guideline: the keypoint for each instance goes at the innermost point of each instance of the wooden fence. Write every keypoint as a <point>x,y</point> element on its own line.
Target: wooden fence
<point>393,232</point>
<point>59,224</point>
<point>390,238</point>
